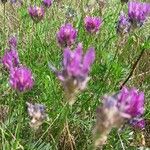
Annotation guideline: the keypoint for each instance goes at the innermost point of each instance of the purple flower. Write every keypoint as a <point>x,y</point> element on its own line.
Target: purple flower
<point>125,106</point>
<point>13,42</point>
<point>10,59</point>
<point>37,113</point>
<point>138,12</point>
<point>67,35</point>
<point>123,25</point>
<point>131,102</point>
<point>74,74</point>
<point>47,3</point>
<point>36,13</point>
<point>21,79</point>
<point>92,24</point>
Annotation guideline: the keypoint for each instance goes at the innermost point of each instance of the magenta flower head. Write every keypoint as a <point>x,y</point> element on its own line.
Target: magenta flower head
<point>92,24</point>
<point>123,25</point>
<point>36,13</point>
<point>47,3</point>
<point>131,102</point>
<point>10,59</point>
<point>67,35</point>
<point>12,42</point>
<point>74,74</point>
<point>21,79</point>
<point>138,12</point>
<point>125,106</point>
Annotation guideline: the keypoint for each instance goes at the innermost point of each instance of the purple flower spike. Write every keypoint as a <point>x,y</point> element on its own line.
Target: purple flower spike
<point>131,102</point>
<point>75,64</point>
<point>47,3</point>
<point>21,79</point>
<point>67,35</point>
<point>123,25</point>
<point>36,13</point>
<point>37,113</point>
<point>138,12</point>
<point>92,24</point>
<point>13,42</point>
<point>116,110</point>
<point>10,59</point>
<point>74,74</point>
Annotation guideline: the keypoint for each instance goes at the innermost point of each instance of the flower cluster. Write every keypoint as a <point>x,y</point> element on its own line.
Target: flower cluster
<point>47,3</point>
<point>138,12</point>
<point>11,58</point>
<point>125,106</point>
<point>74,74</point>
<point>37,114</point>
<point>20,77</point>
<point>131,102</point>
<point>92,24</point>
<point>67,35</point>
<point>123,25</point>
<point>36,13</point>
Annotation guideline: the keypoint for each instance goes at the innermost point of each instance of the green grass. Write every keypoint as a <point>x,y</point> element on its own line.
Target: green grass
<point>37,46</point>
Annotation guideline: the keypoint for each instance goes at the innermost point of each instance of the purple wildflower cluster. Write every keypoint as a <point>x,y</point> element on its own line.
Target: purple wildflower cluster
<point>10,58</point>
<point>117,109</point>
<point>20,77</point>
<point>74,74</point>
<point>37,12</point>
<point>138,13</point>
<point>92,24</point>
<point>130,102</point>
<point>47,3</point>
<point>37,114</point>
<point>67,35</point>
<point>123,25</point>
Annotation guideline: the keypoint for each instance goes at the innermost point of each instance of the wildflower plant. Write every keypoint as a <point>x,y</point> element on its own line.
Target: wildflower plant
<point>21,79</point>
<point>47,3</point>
<point>38,115</point>
<point>92,24</point>
<point>75,70</point>
<point>126,106</point>
<point>11,57</point>
<point>138,12</point>
<point>66,36</point>
<point>36,13</point>
<point>123,25</point>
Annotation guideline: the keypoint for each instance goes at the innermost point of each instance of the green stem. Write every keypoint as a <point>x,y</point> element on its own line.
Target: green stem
<point>133,69</point>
